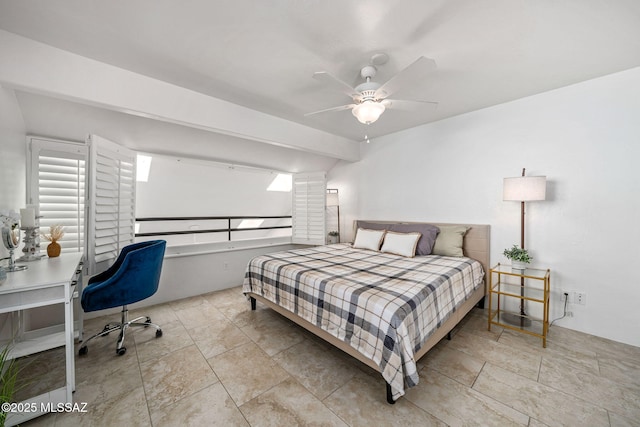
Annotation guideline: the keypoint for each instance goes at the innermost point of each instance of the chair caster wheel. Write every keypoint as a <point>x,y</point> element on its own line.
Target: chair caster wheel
<point>121,351</point>
<point>83,350</point>
<point>158,333</point>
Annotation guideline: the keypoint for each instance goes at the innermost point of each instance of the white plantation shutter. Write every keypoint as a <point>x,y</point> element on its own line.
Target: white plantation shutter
<point>113,202</point>
<point>57,173</point>
<point>308,211</point>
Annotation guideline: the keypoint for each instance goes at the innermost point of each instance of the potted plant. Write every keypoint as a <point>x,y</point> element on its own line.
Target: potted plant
<point>55,233</point>
<point>519,257</point>
<point>8,375</point>
<point>334,237</point>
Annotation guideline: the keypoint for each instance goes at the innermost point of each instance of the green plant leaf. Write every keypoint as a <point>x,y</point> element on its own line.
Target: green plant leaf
<point>516,253</point>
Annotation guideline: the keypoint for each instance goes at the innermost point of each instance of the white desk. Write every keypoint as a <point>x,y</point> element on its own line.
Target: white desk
<point>46,282</point>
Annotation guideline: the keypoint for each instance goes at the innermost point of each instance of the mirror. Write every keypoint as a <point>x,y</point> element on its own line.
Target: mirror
<point>11,240</point>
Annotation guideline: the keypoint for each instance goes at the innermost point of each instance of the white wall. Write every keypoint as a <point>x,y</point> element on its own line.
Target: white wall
<point>13,163</point>
<point>13,159</point>
<point>585,138</point>
<point>12,170</point>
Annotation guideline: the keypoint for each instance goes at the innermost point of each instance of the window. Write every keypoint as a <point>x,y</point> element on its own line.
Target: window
<point>309,197</point>
<point>57,186</point>
<point>64,175</point>
<point>113,191</point>
<point>282,182</point>
<point>250,223</point>
<point>143,166</point>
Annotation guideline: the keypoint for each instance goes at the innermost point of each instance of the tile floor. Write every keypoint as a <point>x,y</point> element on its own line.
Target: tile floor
<point>219,363</point>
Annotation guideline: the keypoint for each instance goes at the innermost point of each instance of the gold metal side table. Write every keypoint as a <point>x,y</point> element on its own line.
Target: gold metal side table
<point>530,285</point>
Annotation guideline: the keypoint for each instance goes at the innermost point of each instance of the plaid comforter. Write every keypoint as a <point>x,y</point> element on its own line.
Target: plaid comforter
<point>383,305</point>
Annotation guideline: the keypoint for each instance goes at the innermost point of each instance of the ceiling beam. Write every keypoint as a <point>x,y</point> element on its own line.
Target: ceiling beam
<point>38,68</point>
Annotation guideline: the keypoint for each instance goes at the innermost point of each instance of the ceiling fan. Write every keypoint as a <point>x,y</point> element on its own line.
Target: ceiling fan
<point>370,99</point>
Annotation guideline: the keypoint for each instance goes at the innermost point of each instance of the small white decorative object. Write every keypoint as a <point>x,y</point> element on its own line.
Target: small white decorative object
<point>30,224</point>
<point>333,237</point>
<point>518,265</point>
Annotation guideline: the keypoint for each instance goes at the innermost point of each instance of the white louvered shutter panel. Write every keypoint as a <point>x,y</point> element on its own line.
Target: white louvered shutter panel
<point>113,202</point>
<point>308,213</point>
<point>57,186</point>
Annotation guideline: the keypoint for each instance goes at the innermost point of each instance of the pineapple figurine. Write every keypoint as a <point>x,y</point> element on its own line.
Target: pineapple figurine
<point>55,233</point>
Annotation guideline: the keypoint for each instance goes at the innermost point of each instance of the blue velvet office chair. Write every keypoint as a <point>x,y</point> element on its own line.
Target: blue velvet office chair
<point>133,277</point>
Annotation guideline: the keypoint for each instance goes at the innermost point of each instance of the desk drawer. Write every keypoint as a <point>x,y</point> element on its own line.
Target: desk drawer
<point>76,281</point>
<point>32,298</point>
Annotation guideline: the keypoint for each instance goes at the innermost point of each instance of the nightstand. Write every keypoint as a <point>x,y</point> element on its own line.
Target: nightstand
<point>527,288</point>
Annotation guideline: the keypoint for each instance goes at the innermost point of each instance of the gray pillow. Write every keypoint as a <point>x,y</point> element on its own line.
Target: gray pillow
<point>372,225</point>
<point>427,240</point>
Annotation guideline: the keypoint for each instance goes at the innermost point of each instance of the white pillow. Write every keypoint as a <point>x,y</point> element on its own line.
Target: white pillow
<point>368,239</point>
<point>403,244</point>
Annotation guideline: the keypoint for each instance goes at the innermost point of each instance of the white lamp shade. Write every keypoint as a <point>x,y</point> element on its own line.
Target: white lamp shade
<point>332,199</point>
<point>368,111</point>
<point>524,188</point>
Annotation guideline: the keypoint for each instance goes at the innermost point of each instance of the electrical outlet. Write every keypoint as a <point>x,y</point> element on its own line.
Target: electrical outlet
<point>225,265</point>
<point>569,313</point>
<point>575,297</point>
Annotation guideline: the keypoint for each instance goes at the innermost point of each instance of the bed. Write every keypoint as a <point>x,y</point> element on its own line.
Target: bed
<point>384,309</point>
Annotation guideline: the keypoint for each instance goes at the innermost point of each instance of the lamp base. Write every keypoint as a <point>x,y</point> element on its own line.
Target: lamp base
<point>516,320</point>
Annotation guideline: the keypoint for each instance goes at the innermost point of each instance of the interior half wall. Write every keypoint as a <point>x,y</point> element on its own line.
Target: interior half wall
<point>66,120</point>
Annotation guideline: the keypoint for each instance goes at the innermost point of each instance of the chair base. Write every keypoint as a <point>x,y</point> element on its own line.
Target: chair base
<point>122,327</point>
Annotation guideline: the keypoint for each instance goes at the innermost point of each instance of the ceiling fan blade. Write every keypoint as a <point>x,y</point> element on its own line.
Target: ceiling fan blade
<point>335,83</point>
<point>340,108</point>
<point>401,104</point>
<point>407,77</point>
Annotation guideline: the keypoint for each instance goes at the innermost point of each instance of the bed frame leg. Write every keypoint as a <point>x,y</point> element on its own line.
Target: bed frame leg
<point>449,335</point>
<point>253,303</point>
<point>481,303</point>
<point>390,395</point>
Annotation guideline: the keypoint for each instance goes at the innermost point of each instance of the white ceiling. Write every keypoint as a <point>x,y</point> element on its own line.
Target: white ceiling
<point>262,54</point>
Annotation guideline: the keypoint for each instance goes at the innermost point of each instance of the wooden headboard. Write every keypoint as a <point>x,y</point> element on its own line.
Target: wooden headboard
<point>476,243</point>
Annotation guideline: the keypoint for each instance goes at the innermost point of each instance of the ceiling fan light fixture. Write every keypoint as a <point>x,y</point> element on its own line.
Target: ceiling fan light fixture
<point>368,111</point>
